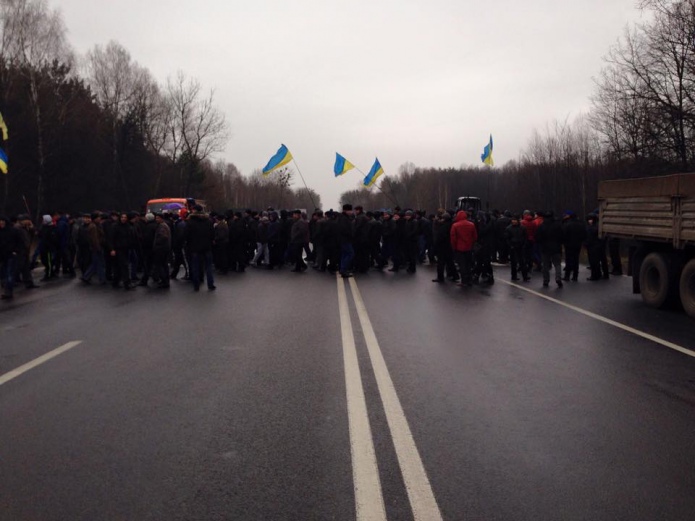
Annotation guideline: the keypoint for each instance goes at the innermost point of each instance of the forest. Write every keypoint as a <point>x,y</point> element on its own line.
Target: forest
<point>99,132</point>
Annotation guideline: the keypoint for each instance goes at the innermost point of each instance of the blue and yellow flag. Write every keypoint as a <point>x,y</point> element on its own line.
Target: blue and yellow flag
<point>487,154</point>
<point>3,161</point>
<point>3,127</point>
<point>373,174</point>
<point>280,159</point>
<point>342,165</point>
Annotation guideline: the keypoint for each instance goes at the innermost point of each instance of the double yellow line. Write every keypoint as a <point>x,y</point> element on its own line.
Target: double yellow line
<point>369,501</point>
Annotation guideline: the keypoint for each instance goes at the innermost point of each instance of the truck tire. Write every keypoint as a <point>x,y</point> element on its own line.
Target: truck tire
<point>655,280</point>
<point>687,288</point>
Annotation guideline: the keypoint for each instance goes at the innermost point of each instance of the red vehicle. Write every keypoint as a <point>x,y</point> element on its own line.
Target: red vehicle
<point>173,204</point>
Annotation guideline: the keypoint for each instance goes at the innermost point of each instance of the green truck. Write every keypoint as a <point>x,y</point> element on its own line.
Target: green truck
<point>655,218</point>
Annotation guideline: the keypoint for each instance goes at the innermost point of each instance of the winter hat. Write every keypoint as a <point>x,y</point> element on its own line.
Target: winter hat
<point>149,216</point>
<point>47,219</point>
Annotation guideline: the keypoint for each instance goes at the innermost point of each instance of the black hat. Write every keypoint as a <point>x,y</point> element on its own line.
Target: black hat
<point>347,207</point>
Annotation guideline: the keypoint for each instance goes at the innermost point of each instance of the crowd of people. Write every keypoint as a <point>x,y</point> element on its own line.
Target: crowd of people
<point>127,249</point>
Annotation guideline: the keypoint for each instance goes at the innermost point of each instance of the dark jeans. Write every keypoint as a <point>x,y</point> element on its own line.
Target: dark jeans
<point>464,259</point>
<point>7,268</point>
<point>160,267</point>
<point>204,257</point>
<point>297,254</point>
<point>347,253</point>
<point>516,255</point>
<point>445,260</point>
<point>96,266</point>
<point>572,261</point>
<point>556,260</point>
<point>179,260</point>
<point>122,268</point>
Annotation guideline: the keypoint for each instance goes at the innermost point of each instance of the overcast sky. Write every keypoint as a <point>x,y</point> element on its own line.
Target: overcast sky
<point>421,81</point>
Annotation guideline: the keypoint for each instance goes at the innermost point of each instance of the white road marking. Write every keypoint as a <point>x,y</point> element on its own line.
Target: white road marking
<point>37,361</point>
<point>369,500</point>
<point>422,500</point>
<point>595,316</point>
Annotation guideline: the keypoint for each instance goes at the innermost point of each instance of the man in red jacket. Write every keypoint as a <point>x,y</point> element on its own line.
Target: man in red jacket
<point>463,238</point>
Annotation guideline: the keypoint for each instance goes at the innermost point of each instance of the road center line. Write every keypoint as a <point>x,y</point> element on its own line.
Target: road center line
<point>369,501</point>
<point>613,323</point>
<point>422,500</point>
<point>37,361</point>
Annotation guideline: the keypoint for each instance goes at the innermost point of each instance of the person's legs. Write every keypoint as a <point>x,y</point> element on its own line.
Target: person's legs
<point>546,268</point>
<point>209,271</point>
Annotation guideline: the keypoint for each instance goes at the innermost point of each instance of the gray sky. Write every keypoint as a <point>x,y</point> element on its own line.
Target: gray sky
<point>421,81</point>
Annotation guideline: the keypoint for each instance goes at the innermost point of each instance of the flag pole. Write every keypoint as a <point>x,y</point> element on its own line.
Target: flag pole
<point>392,199</point>
<point>303,181</point>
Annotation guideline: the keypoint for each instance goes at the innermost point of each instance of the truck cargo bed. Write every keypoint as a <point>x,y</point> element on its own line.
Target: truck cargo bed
<point>658,209</point>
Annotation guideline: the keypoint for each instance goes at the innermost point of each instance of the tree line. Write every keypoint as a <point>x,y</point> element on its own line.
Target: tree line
<point>106,134</point>
<point>641,123</point>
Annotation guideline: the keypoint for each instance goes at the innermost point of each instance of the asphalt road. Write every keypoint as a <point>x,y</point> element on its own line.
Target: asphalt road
<point>285,396</point>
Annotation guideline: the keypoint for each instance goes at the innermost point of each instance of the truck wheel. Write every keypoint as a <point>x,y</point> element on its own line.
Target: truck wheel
<point>655,280</point>
<point>687,288</point>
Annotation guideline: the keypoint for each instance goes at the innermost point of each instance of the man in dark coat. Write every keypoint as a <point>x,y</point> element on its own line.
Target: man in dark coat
<point>299,236</point>
<point>124,242</point>
<point>49,242</point>
<point>94,233</point>
<point>361,241</point>
<point>441,238</point>
<point>596,250</point>
<point>238,240</point>
<point>549,238</point>
<point>148,231</point>
<point>10,244</point>
<point>346,236</point>
<point>575,236</point>
<point>25,230</point>
<point>200,238</point>
<point>516,239</point>
<point>411,238</point>
<point>161,248</point>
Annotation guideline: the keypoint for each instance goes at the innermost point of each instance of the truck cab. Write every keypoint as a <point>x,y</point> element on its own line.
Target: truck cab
<point>468,201</point>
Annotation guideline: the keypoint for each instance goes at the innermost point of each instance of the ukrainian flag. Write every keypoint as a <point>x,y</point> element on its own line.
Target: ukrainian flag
<point>280,159</point>
<point>342,165</point>
<point>487,154</point>
<point>3,127</point>
<point>373,174</point>
<point>3,161</point>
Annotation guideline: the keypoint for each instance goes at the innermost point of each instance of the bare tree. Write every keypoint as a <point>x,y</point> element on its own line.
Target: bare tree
<point>119,84</point>
<point>34,39</point>
<point>197,129</point>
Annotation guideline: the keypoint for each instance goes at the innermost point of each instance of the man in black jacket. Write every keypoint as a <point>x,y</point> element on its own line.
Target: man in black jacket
<point>161,248</point>
<point>124,242</point>
<point>574,237</point>
<point>411,236</point>
<point>550,237</point>
<point>345,230</point>
<point>361,241</point>
<point>200,238</point>
<point>441,236</point>
<point>516,239</point>
<point>10,244</point>
<point>299,235</point>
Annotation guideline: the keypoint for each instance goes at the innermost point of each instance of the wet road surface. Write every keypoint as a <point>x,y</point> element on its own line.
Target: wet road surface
<point>252,403</point>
